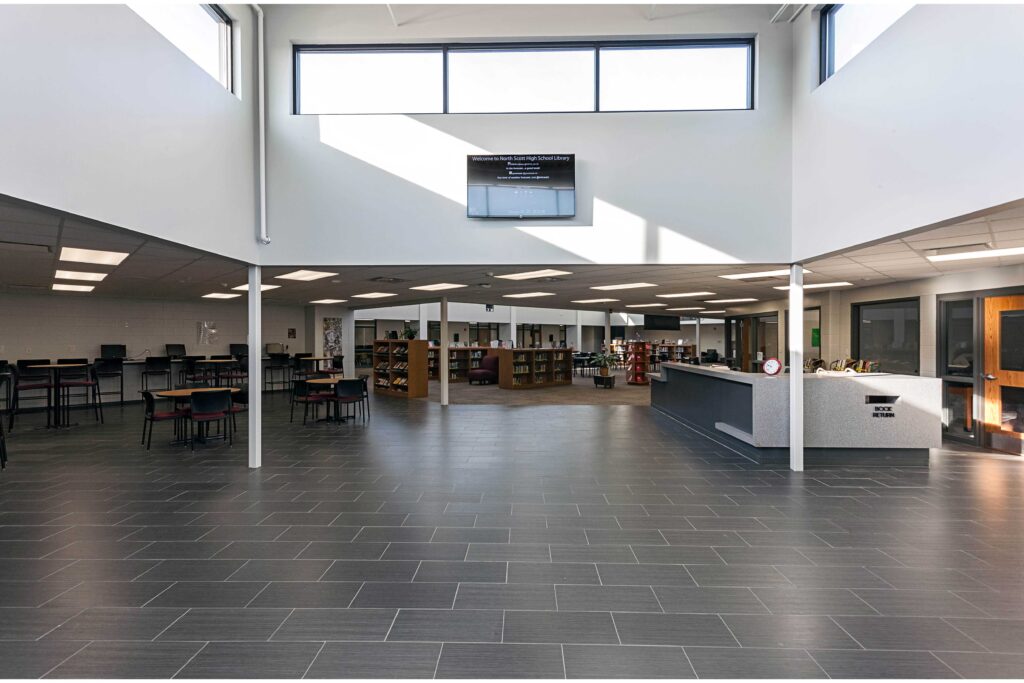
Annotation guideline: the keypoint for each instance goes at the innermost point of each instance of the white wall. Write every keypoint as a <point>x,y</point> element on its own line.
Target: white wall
<point>922,126</point>
<point>70,326</point>
<point>104,118</point>
<point>690,187</point>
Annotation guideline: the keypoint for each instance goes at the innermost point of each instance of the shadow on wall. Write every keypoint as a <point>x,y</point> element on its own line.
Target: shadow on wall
<point>424,156</point>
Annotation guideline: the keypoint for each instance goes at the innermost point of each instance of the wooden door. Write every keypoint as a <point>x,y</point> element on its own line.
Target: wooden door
<point>1004,373</point>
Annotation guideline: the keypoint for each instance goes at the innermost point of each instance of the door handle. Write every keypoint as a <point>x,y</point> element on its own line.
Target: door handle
<point>990,377</point>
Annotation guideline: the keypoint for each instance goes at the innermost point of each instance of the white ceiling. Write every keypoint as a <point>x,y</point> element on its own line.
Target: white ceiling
<point>161,270</point>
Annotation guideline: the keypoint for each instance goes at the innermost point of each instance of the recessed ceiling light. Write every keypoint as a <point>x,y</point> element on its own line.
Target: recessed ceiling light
<point>730,301</point>
<point>103,258</point>
<point>329,301</point>
<point>683,294</point>
<point>373,295</point>
<point>438,287</point>
<point>783,272</point>
<point>528,295</point>
<point>686,308</point>
<point>220,295</point>
<point>305,275</point>
<point>709,312</point>
<point>593,301</point>
<point>983,253</point>
<point>630,285</point>
<point>263,288</point>
<point>72,288</point>
<point>78,275</point>
<point>534,274</point>
<point>644,305</point>
<point>820,285</point>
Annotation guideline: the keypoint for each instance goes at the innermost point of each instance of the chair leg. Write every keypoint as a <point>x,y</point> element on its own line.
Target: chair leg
<point>145,422</point>
<point>231,434</point>
<point>192,434</point>
<point>292,418</point>
<point>149,441</point>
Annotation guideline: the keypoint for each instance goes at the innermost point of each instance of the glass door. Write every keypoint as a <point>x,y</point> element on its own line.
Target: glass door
<point>1004,373</point>
<point>957,369</point>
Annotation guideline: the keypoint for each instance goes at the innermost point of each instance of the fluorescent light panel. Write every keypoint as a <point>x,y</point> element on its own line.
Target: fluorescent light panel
<point>593,301</point>
<point>528,295</point>
<point>730,301</point>
<point>329,301</point>
<point>530,275</point>
<point>710,312</point>
<point>102,258</point>
<point>686,308</point>
<point>79,275</point>
<point>57,286</point>
<point>783,272</point>
<point>373,295</point>
<point>263,288</point>
<point>982,253</point>
<point>305,275</point>
<point>820,285</point>
<point>438,287</point>
<point>644,305</point>
<point>628,285</point>
<point>220,295</point>
<point>683,295</point>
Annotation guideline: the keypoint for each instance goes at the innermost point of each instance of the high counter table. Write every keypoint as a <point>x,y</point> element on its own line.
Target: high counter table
<point>853,419</point>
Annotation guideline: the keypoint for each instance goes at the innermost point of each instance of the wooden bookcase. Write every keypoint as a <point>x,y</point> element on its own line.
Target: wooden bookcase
<point>676,352</point>
<point>638,362</point>
<point>400,367</point>
<point>534,368</point>
<point>461,360</point>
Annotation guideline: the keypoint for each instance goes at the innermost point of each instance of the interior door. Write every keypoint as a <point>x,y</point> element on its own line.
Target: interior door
<point>1004,373</point>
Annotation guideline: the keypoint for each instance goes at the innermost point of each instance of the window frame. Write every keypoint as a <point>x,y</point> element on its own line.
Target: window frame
<point>227,44</point>
<point>747,42</point>
<point>827,41</point>
<point>855,308</point>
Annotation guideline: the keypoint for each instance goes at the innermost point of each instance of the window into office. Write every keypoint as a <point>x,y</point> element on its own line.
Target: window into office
<point>540,78</point>
<point>202,32</point>
<point>848,29</point>
<point>888,332</point>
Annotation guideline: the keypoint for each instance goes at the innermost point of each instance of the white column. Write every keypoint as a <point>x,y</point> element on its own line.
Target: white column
<point>255,341</point>
<point>698,339</point>
<point>578,342</point>
<point>424,323</point>
<point>513,325</point>
<point>348,341</point>
<point>796,368</point>
<point>608,331</point>
<point>442,366</point>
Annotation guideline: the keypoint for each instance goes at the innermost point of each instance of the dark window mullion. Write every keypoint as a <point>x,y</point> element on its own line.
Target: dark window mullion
<point>444,79</point>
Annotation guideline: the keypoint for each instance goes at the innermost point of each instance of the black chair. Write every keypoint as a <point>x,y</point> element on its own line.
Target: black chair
<point>3,446</point>
<point>337,366</point>
<point>152,415</point>
<point>206,408</point>
<point>236,373</point>
<point>175,351</point>
<point>91,383</point>
<point>5,382</point>
<point>365,379</point>
<point>108,368</point>
<point>70,375</point>
<point>348,392</point>
<point>190,373</point>
<point>303,393</point>
<point>301,368</point>
<point>279,363</point>
<point>156,366</point>
<point>26,378</point>
<point>239,404</point>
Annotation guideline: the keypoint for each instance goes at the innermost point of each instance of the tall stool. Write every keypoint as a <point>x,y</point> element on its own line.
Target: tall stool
<point>278,364</point>
<point>156,366</point>
<point>108,368</point>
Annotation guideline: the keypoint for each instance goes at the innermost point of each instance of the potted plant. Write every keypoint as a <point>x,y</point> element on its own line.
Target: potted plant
<point>408,333</point>
<point>604,361</point>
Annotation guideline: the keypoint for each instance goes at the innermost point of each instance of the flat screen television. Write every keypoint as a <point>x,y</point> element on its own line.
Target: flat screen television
<point>521,185</point>
<point>661,322</point>
<point>113,351</point>
<point>175,350</point>
<point>238,350</point>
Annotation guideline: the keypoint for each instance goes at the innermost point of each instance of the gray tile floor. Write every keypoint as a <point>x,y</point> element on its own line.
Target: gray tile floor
<point>490,541</point>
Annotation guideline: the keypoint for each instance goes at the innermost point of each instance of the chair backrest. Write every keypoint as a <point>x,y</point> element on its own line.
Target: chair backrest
<point>157,363</point>
<point>349,388</point>
<point>27,372</point>
<point>338,362</point>
<point>489,363</point>
<point>365,379</point>
<point>300,388</point>
<point>278,360</point>
<point>210,401</point>
<point>70,373</point>
<point>298,361</point>
<point>241,397</point>
<point>110,366</point>
<point>150,401</point>
<point>175,350</point>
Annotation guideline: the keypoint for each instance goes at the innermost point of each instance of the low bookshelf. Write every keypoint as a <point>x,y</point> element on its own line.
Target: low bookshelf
<point>461,359</point>
<point>676,352</point>
<point>534,368</point>
<point>400,367</point>
<point>638,362</point>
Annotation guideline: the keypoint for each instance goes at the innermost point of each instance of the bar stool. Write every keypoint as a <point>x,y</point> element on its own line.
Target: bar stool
<point>111,367</point>
<point>73,375</point>
<point>278,363</point>
<point>156,366</point>
<point>337,366</point>
<point>190,373</point>
<point>5,383</point>
<point>88,380</point>
<point>26,378</point>
<point>301,368</point>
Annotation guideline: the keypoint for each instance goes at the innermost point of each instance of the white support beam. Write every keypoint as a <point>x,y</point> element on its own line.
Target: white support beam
<point>255,369</point>
<point>348,341</point>
<point>796,367</point>
<point>513,326</point>
<point>607,331</point>
<point>424,323</point>
<point>442,366</point>
<point>698,340</point>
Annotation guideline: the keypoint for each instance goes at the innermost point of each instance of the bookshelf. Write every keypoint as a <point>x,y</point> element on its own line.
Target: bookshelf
<point>676,352</point>
<point>638,360</point>
<point>400,367</point>
<point>534,368</point>
<point>461,360</point>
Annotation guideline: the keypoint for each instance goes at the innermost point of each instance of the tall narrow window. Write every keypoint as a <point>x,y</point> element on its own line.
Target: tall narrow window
<point>848,29</point>
<point>370,81</point>
<point>202,32</point>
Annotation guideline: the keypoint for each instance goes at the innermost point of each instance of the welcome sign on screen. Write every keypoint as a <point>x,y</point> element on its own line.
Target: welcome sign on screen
<point>521,186</point>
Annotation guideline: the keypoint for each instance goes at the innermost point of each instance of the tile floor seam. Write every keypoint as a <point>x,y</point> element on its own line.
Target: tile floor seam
<point>949,621</point>
<point>173,622</point>
<point>727,628</point>
<point>437,664</point>
<point>258,594</point>
<point>240,568</point>
<point>616,627</point>
<point>310,665</point>
<point>63,592</point>
<point>283,621</point>
<point>358,591</point>
<point>817,663</point>
<point>843,629</point>
<point>61,662</point>
<point>190,659</point>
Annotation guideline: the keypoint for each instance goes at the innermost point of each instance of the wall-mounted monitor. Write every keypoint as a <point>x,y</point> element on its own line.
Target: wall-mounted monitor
<point>521,186</point>
<point>661,322</point>
<point>237,350</point>
<point>113,351</point>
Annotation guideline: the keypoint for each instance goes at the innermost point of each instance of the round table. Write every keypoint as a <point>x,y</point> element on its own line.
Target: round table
<point>185,393</point>
<point>53,393</point>
<point>331,381</point>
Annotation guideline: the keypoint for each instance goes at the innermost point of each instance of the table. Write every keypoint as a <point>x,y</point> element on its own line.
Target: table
<point>316,360</point>
<point>185,393</point>
<point>53,393</point>
<point>604,382</point>
<point>216,363</point>
<point>328,381</point>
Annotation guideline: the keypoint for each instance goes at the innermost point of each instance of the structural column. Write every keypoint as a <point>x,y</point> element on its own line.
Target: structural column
<point>513,332</point>
<point>698,339</point>
<point>348,341</point>
<point>796,368</point>
<point>578,341</point>
<point>608,331</point>
<point>255,369</point>
<point>424,323</point>
<point>442,364</point>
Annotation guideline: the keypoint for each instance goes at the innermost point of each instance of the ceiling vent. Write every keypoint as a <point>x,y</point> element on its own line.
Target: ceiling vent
<point>26,247</point>
<point>387,280</point>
